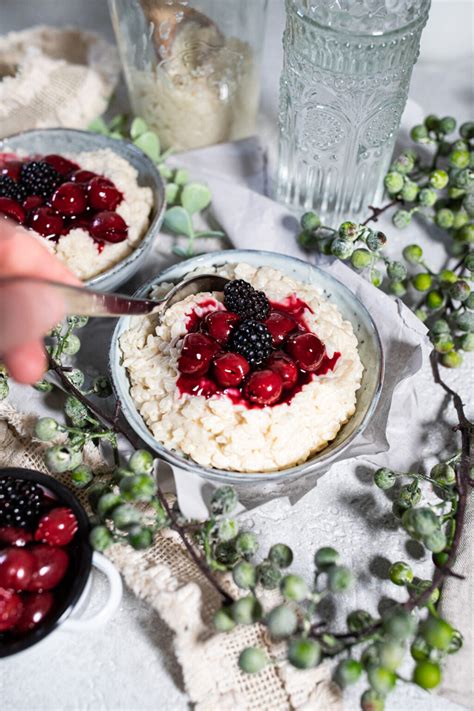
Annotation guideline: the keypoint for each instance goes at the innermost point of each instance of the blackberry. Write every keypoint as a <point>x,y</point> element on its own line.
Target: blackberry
<point>253,341</point>
<point>39,178</point>
<point>242,299</point>
<point>20,502</point>
<point>9,188</point>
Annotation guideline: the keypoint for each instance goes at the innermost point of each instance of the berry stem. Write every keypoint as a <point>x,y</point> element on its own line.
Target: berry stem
<point>377,211</point>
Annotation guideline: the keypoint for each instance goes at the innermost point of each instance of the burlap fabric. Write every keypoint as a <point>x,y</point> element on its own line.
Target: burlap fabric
<point>54,77</point>
<point>165,577</point>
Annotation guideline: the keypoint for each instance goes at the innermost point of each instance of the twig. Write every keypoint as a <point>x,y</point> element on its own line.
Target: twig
<point>377,211</point>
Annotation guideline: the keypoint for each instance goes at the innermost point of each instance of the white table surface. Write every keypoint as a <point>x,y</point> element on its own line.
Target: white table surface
<point>130,665</point>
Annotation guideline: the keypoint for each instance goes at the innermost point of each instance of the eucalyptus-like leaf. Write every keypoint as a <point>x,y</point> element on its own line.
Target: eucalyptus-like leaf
<point>149,143</point>
<point>171,192</point>
<point>208,234</point>
<point>98,125</point>
<point>180,252</point>
<point>118,123</point>
<point>195,197</point>
<point>181,176</point>
<point>177,220</point>
<point>138,128</point>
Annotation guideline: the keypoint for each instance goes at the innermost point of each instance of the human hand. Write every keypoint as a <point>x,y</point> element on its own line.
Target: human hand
<point>27,313</point>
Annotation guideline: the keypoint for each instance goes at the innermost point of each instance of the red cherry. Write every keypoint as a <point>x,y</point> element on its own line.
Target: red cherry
<point>32,201</point>
<point>46,221</point>
<point>69,199</point>
<point>196,385</point>
<point>229,369</point>
<point>14,536</point>
<point>12,209</point>
<point>82,176</point>
<point>109,227</point>
<point>196,354</point>
<point>16,568</point>
<point>102,194</point>
<point>280,363</point>
<point>219,324</point>
<point>264,387</point>
<point>57,527</point>
<point>36,606</point>
<point>306,350</point>
<point>11,608</point>
<point>280,326</point>
<point>12,169</point>
<point>62,165</point>
<point>50,565</point>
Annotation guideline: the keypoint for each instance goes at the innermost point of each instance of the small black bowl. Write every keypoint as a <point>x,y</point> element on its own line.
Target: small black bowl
<point>70,589</point>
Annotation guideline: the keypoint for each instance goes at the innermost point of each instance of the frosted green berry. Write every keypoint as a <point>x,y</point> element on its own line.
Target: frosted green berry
<point>282,622</point>
<point>420,522</point>
<point>223,621</point>
<point>447,124</point>
<point>361,258</point>
<point>244,575</point>
<point>223,501</point>
<point>437,633</point>
<point>376,277</point>
<point>372,701</point>
<point>81,476</point>
<point>359,620</point>
<point>465,321</point>
<point>438,179</point>
<point>427,197</point>
<point>102,387</point>
<point>385,478</point>
<point>436,541</point>
<point>409,495</point>
<point>466,130</point>
<point>443,474</point>
<point>401,219</point>
<point>400,573</point>
<point>422,282</point>
<point>461,218</point>
<point>226,553</point>
<point>381,680</point>
<point>281,555</point>
<point>71,344</point>
<point>349,230</point>
<point>347,672</point>
<point>467,342</point>
<point>370,657</point>
<point>432,122</point>
<point>46,429</point>
<point>340,579</point>
<point>124,516</point>
<point>227,529</point>
<point>409,191</point>
<point>43,386</point>
<point>252,660</point>
<point>435,299</point>
<point>77,321</point>
<point>440,326</point>
<point>140,487</point>
<point>427,674</point>
<point>419,134</point>
<point>141,462</point>
<point>419,650</point>
<point>413,253</point>
<point>456,642</point>
<point>464,179</point>
<point>469,303</point>
<point>107,503</point>
<point>393,182</point>
<point>61,458</point>
<point>100,538</point>
<point>397,270</point>
<point>247,544</point>
<point>269,575</point>
<point>391,654</point>
<point>397,288</point>
<point>459,158</point>
<point>140,537</point>
<point>341,248</point>
<point>460,290</point>
<point>293,587</point>
<point>404,164</point>
<point>452,359</point>
<point>399,624</point>
<point>246,610</point>
<point>375,240</point>
<point>304,653</point>
<point>325,557</point>
<point>443,342</point>
<point>310,221</point>
<point>76,411</point>
<point>444,218</point>
<point>468,204</point>
<point>76,377</point>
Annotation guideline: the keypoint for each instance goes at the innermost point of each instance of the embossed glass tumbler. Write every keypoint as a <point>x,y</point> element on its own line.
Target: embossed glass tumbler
<point>344,85</point>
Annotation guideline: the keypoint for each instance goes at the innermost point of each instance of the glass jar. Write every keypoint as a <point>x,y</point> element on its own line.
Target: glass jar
<point>344,85</point>
<point>192,68</point>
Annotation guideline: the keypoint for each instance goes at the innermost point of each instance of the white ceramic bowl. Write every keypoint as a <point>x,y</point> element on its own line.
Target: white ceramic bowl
<point>370,350</point>
<point>65,140</point>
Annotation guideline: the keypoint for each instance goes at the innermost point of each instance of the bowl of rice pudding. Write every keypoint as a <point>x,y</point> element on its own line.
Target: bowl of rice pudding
<point>95,202</point>
<point>265,382</point>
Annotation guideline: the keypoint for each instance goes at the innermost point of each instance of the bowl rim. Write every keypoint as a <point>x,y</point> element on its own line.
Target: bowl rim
<point>222,476</point>
<point>129,147</point>
<point>81,573</point>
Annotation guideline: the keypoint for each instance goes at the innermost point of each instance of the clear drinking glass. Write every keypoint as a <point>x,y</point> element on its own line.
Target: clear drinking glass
<point>192,67</point>
<point>345,80</point>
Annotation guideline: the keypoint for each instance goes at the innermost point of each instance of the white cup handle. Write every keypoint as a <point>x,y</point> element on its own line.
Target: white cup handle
<point>190,494</point>
<point>111,605</point>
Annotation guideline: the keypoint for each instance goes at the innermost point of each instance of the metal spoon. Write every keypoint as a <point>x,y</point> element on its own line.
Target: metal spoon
<point>79,301</point>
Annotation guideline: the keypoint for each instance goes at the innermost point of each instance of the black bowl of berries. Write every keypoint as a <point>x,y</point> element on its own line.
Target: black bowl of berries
<point>45,557</point>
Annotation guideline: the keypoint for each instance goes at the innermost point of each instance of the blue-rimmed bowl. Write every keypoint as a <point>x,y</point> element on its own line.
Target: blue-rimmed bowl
<point>66,140</point>
<point>370,351</point>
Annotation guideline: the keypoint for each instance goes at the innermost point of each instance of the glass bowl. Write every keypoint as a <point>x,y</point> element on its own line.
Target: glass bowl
<point>65,140</point>
<point>370,351</point>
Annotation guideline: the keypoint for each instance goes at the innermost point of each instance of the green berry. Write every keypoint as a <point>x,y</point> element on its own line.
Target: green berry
<point>456,642</point>
<point>413,253</point>
<point>304,653</point>
<point>349,231</point>
<point>465,321</point>
<point>440,326</point>
<point>293,587</point>
<point>443,342</point>
<point>397,288</point>
<point>372,701</point>
<point>393,182</point>
<point>341,248</point>
<point>409,495</point>
<point>76,377</point>
<point>421,314</point>
<point>440,559</point>
<point>61,458</point>
<point>419,587</point>
<point>435,541</point>
<point>141,462</point>
<point>139,487</point>
<point>444,218</point>
<point>444,474</point>
<point>404,164</point>
<point>427,674</point>
<point>466,130</point>
<point>310,221</point>
<point>102,387</point>
<point>77,321</point>
<point>400,573</point>
<point>100,538</point>
<point>432,122</point>
<point>455,193</point>
<point>81,476</point>
<point>401,219</point>
<point>381,680</point>
<point>76,411</point>
<point>226,553</point>
<point>227,529</point>
<point>140,537</point>
<point>420,522</point>
<point>391,654</point>
<point>124,516</point>
<point>223,621</point>
<point>71,344</point>
<point>438,179</point>
<point>461,218</point>
<point>43,386</point>
<point>452,359</point>
<point>419,134</point>
<point>459,158</point>
<point>269,575</point>
<point>46,429</point>
<point>244,575</point>
<point>397,270</point>
<point>246,544</point>
<point>282,622</point>
<point>309,240</point>
<point>419,650</point>
<point>409,191</point>
<point>434,299</point>
<point>422,282</point>
<point>107,503</point>
<point>281,555</point>
<point>223,501</point>
<point>325,557</point>
<point>359,620</point>
<point>467,342</point>
<point>464,179</point>
<point>370,657</point>
<point>347,672</point>
<point>469,303</point>
<point>375,240</point>
<point>340,579</point>
<point>447,124</point>
<point>385,478</point>
<point>460,290</point>
<point>427,197</point>
<point>252,660</point>
<point>246,610</point>
<point>361,258</point>
<point>376,277</point>
<point>399,624</point>
<point>468,204</point>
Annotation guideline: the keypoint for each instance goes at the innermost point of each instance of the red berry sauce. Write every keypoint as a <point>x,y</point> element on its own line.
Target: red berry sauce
<point>80,199</point>
<point>207,367</point>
